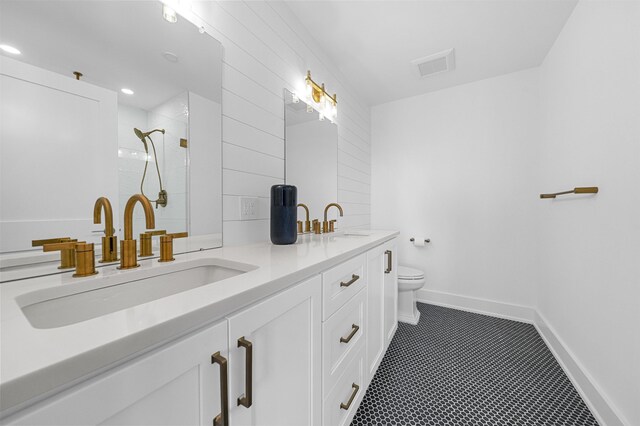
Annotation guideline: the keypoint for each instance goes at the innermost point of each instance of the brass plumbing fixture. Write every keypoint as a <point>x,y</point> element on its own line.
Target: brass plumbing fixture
<point>83,255</point>
<point>326,226</point>
<point>582,190</point>
<point>146,246</point>
<point>166,245</point>
<point>316,227</point>
<point>307,222</point>
<point>162,195</point>
<point>109,241</point>
<point>67,255</point>
<point>128,252</point>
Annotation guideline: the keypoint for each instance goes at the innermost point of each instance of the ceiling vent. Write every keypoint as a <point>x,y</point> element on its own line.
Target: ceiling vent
<point>435,64</point>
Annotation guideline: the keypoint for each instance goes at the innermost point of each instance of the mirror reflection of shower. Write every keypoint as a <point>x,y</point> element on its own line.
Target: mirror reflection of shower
<point>143,136</point>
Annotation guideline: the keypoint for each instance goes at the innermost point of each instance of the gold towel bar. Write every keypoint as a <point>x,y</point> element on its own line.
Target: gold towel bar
<point>582,190</point>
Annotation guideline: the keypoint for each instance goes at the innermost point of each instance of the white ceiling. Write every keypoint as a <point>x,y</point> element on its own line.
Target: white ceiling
<point>374,42</point>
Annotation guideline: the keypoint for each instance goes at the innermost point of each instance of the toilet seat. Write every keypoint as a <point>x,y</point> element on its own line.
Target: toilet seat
<point>409,274</point>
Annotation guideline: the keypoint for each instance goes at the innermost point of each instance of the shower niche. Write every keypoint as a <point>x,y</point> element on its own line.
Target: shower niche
<point>106,99</point>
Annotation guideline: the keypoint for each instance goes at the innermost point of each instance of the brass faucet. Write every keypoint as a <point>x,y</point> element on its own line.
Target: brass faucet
<point>307,222</point>
<point>326,226</point>
<point>128,253</point>
<point>83,255</point>
<point>109,241</point>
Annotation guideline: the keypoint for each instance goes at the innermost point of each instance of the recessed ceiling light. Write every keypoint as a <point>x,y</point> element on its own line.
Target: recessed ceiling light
<point>126,91</point>
<point>170,56</point>
<point>9,49</point>
<point>169,14</point>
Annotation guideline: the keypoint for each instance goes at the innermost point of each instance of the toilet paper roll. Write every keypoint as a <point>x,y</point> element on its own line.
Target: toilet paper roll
<point>419,242</point>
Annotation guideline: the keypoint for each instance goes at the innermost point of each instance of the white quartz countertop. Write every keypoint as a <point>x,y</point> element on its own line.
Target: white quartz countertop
<point>36,362</point>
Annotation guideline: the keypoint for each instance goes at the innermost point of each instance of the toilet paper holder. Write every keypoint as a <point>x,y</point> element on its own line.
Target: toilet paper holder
<point>427,240</point>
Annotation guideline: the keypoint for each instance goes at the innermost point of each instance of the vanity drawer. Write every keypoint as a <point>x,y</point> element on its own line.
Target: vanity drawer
<point>341,283</point>
<point>342,335</point>
<point>341,404</point>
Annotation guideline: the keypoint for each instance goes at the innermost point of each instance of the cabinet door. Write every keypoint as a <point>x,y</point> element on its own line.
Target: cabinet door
<point>390,291</point>
<point>375,310</point>
<point>274,350</point>
<point>176,385</point>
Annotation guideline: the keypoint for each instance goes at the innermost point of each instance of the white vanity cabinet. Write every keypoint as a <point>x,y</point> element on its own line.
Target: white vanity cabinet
<point>275,359</point>
<point>184,382</point>
<point>178,384</point>
<point>302,356</point>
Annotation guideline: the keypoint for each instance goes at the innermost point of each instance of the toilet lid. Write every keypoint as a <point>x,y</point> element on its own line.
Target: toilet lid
<point>406,273</point>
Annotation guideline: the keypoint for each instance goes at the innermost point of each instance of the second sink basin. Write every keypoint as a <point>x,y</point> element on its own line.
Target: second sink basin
<point>84,300</point>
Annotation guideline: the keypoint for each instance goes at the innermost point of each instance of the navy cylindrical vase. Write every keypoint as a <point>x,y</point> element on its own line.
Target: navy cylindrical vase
<point>284,214</point>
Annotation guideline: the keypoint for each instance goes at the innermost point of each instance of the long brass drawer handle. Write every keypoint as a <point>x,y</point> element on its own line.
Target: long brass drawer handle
<point>346,406</point>
<point>222,419</point>
<point>389,261</point>
<point>246,399</point>
<point>354,330</point>
<point>353,279</point>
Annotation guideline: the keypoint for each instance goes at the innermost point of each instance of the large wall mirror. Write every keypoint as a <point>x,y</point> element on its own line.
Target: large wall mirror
<point>311,156</point>
<point>105,99</point>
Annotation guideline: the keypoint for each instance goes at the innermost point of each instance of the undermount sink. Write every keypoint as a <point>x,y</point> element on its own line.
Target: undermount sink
<point>87,299</point>
<point>353,234</point>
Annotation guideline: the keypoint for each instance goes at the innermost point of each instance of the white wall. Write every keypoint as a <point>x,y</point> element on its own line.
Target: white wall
<point>457,166</point>
<point>266,49</point>
<point>589,281</point>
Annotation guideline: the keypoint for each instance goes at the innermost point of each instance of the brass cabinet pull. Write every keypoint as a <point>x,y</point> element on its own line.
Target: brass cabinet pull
<point>246,399</point>
<point>389,261</point>
<point>222,419</point>
<point>354,330</point>
<point>346,406</point>
<point>353,279</point>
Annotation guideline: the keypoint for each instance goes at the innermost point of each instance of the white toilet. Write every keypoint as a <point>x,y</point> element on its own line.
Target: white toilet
<point>409,281</point>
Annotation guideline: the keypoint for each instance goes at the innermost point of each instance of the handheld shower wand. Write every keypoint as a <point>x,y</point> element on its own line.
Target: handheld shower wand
<point>162,195</point>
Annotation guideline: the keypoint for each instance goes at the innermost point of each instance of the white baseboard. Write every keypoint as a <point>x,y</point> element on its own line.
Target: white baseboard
<point>593,396</point>
<point>476,305</point>
<point>598,403</point>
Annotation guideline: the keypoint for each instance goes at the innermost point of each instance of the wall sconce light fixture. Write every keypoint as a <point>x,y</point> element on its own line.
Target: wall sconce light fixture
<point>317,98</point>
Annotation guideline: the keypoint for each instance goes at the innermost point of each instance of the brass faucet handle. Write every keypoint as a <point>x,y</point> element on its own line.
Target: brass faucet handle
<point>67,251</point>
<point>332,225</point>
<point>40,243</point>
<point>146,242</point>
<point>178,235</point>
<point>300,227</point>
<point>166,245</point>
<point>65,245</point>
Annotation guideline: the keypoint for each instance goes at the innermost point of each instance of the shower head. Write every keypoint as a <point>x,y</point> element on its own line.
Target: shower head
<point>143,135</point>
<point>140,134</point>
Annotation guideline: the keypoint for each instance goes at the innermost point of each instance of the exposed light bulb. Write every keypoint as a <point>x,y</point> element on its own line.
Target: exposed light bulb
<point>126,91</point>
<point>9,49</point>
<point>169,14</point>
